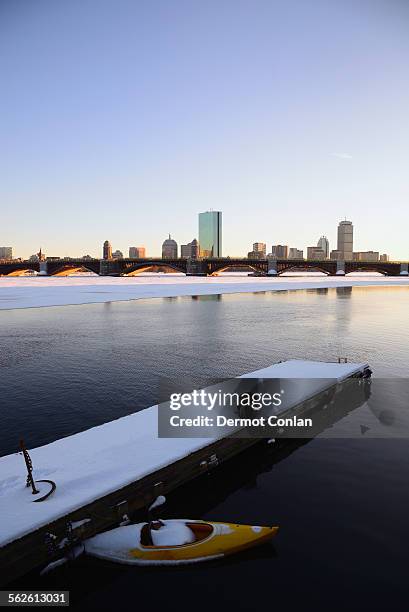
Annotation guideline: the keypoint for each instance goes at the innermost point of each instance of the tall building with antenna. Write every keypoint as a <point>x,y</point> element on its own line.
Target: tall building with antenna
<point>345,244</point>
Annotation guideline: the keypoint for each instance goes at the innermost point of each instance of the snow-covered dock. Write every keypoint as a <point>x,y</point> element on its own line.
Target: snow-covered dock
<point>110,470</point>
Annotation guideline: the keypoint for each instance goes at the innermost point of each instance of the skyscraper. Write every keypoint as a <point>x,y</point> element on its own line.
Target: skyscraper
<point>169,248</point>
<point>323,244</point>
<point>210,233</point>
<point>345,239</point>
<point>107,250</point>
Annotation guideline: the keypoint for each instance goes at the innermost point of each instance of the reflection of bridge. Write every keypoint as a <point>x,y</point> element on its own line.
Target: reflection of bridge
<point>200,267</point>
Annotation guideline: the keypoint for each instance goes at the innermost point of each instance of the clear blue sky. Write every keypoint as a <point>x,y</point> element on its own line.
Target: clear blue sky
<point>123,119</point>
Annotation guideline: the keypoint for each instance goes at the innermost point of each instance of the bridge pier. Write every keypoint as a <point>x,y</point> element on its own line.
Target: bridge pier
<point>43,268</point>
<point>272,266</point>
<point>404,269</point>
<point>109,267</point>
<point>196,267</point>
<point>340,268</point>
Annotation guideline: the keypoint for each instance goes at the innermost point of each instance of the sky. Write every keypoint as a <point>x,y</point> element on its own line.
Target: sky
<point>123,119</point>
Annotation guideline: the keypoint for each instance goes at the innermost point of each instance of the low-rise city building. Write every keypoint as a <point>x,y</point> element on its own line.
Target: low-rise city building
<point>336,254</point>
<point>260,247</point>
<point>6,253</point>
<point>190,250</point>
<point>366,256</point>
<point>256,255</point>
<point>279,251</point>
<point>294,253</point>
<point>259,251</point>
<point>314,252</point>
<point>137,252</point>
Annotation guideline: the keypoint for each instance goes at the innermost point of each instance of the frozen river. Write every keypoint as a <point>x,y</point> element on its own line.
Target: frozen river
<point>28,292</point>
<point>342,502</point>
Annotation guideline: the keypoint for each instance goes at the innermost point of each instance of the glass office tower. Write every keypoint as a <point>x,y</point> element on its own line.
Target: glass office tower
<point>210,234</point>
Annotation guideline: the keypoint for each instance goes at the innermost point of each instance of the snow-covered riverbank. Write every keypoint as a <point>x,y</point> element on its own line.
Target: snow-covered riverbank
<point>31,292</point>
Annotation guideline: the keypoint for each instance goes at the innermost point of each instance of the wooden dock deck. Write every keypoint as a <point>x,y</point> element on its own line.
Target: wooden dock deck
<point>42,533</point>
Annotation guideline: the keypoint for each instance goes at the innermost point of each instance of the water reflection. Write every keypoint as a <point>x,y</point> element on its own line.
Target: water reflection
<point>65,369</point>
<point>343,292</point>
<point>341,504</point>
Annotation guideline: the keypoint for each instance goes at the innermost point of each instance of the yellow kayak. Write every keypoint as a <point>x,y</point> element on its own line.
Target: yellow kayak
<point>174,542</point>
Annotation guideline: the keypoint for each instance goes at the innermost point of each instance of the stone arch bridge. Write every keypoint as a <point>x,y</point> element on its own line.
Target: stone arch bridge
<point>199,267</point>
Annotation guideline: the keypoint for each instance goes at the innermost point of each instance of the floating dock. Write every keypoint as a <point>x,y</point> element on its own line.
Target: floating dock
<point>108,472</point>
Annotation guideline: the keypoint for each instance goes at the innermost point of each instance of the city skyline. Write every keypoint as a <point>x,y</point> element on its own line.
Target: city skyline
<point>210,228</point>
<point>96,250</point>
<point>210,225</point>
<point>294,111</point>
<point>210,231</point>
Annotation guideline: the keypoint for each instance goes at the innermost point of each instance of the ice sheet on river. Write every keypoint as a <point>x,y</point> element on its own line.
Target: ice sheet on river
<point>55,291</point>
<point>100,460</point>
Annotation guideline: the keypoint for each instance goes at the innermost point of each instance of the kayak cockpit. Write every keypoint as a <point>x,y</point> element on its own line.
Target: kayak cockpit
<point>163,534</point>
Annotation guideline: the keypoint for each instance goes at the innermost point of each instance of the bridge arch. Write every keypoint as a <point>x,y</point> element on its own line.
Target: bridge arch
<point>229,266</point>
<point>135,269</point>
<point>68,269</point>
<point>214,267</point>
<point>20,271</point>
<point>367,268</point>
<point>303,268</point>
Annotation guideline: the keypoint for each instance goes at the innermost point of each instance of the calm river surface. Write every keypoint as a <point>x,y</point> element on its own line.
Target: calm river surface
<point>342,503</point>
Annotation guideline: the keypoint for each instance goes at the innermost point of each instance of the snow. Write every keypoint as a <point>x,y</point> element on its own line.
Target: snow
<point>52,566</point>
<point>159,501</point>
<point>114,543</point>
<point>172,533</point>
<point>29,292</point>
<point>77,524</point>
<point>96,462</point>
<point>307,378</point>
